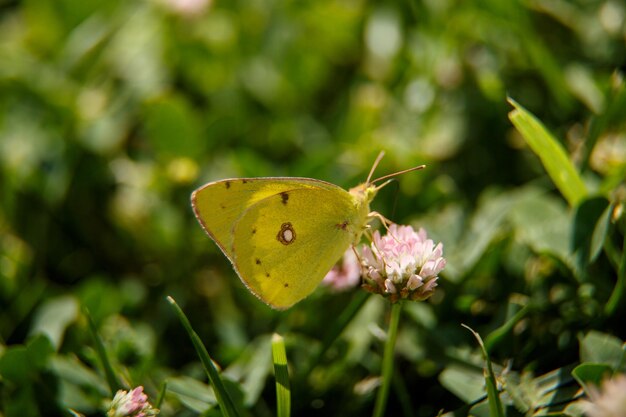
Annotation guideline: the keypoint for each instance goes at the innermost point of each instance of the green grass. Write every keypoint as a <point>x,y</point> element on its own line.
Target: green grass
<point>112,113</point>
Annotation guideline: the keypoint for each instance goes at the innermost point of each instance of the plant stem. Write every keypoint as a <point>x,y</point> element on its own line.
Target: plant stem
<point>387,366</point>
<point>109,373</point>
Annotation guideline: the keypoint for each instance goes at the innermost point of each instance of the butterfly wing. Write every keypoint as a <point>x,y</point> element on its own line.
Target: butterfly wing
<point>284,244</point>
<point>218,205</point>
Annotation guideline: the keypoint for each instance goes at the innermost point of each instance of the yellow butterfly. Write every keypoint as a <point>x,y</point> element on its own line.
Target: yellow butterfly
<point>283,234</point>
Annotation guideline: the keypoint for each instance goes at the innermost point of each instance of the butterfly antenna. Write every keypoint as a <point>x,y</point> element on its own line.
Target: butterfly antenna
<point>395,174</point>
<point>376,162</point>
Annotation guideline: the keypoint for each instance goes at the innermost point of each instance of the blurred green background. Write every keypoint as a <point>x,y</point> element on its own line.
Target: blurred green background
<point>112,112</point>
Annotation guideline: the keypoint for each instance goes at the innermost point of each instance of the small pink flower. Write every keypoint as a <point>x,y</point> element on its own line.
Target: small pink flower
<point>131,404</point>
<point>402,264</point>
<point>610,401</point>
<point>346,275</point>
<point>188,8</point>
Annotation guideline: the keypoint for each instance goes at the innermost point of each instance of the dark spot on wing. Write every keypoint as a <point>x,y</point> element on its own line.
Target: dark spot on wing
<point>222,206</point>
<point>258,261</point>
<point>253,231</point>
<point>267,274</point>
<point>244,181</point>
<point>227,183</point>
<point>342,226</point>
<point>285,197</point>
<point>286,285</point>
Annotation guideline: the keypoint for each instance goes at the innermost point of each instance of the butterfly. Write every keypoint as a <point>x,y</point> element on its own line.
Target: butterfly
<point>283,234</point>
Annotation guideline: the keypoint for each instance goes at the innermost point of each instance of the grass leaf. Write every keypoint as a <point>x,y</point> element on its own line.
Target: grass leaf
<point>281,372</point>
<point>226,404</point>
<point>495,405</point>
<point>552,155</point>
<point>111,377</point>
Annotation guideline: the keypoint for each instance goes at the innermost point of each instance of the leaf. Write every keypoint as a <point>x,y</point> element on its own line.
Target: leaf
<point>591,374</point>
<point>481,409</point>
<point>194,394</point>
<point>251,368</point>
<point>75,372</point>
<point>544,394</point>
<point>590,215</point>
<point>575,409</point>
<point>78,384</point>
<point>54,316</point>
<point>601,348</point>
<point>548,233</point>
<point>599,232</point>
<point>552,155</point>
<point>22,363</point>
<point>484,226</point>
<point>466,383</point>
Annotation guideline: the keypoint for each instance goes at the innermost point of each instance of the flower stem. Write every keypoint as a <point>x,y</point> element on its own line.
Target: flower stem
<point>388,354</point>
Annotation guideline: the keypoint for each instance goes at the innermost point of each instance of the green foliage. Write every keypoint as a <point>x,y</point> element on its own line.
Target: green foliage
<point>112,112</point>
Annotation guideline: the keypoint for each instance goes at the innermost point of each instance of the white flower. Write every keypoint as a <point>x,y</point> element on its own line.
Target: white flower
<point>610,401</point>
<point>131,404</point>
<point>402,264</point>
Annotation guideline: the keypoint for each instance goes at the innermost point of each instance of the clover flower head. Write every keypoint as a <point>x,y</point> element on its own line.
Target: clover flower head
<point>345,275</point>
<point>403,264</point>
<point>610,400</point>
<point>133,403</point>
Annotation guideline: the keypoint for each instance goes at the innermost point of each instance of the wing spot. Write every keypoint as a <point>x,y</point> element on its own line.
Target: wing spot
<point>286,285</point>
<point>342,226</point>
<point>244,181</point>
<point>258,261</point>
<point>222,206</point>
<point>267,274</point>
<point>285,196</point>
<point>286,235</point>
<point>227,183</point>
<point>253,230</point>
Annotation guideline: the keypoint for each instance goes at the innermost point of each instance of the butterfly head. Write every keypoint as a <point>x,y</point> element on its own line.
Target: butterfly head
<point>364,193</point>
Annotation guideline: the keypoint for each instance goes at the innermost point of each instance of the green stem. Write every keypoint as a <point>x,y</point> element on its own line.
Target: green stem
<point>388,355</point>
<point>109,373</point>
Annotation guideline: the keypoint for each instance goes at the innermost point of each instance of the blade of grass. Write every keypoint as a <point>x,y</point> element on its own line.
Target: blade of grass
<point>550,152</point>
<point>387,366</point>
<point>161,396</point>
<point>109,373</point>
<point>620,286</point>
<point>281,372</point>
<point>495,405</point>
<point>501,332</point>
<point>402,393</point>
<point>226,404</point>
